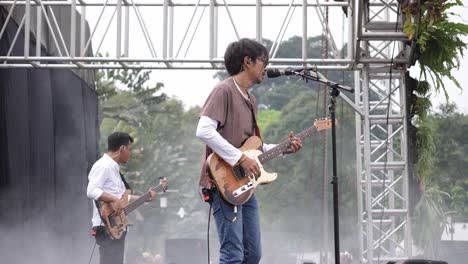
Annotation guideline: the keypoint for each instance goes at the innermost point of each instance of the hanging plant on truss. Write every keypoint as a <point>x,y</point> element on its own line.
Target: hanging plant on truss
<point>438,41</point>
<point>438,46</point>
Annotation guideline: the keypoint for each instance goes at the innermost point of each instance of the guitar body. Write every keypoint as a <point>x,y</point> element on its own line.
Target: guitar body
<point>235,186</point>
<point>229,180</point>
<point>115,224</point>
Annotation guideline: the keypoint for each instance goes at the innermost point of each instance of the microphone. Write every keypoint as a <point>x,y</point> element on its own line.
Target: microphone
<point>311,74</point>
<point>273,73</point>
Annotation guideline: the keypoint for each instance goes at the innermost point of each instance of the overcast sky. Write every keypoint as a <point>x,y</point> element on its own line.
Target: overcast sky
<point>192,87</point>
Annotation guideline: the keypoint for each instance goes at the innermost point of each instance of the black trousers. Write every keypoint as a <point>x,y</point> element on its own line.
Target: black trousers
<point>111,251</point>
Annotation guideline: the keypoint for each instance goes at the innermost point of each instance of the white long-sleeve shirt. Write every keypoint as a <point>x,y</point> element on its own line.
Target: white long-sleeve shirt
<point>206,131</point>
<point>104,177</point>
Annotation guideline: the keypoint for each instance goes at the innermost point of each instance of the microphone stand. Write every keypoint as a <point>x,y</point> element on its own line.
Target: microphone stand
<point>334,92</point>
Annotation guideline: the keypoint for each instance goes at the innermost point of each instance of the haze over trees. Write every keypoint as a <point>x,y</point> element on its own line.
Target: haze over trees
<point>291,207</point>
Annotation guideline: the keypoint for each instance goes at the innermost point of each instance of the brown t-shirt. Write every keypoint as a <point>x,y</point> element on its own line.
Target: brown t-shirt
<point>236,116</point>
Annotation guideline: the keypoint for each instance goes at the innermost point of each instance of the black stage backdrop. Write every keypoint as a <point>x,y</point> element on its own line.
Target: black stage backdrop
<point>49,135</point>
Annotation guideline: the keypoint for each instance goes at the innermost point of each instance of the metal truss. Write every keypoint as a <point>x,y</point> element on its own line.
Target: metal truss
<point>381,132</point>
<point>162,34</point>
<point>167,34</point>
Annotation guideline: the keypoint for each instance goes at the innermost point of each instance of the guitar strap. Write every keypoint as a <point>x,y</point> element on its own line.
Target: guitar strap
<point>256,128</point>
<point>127,186</point>
<point>99,210</point>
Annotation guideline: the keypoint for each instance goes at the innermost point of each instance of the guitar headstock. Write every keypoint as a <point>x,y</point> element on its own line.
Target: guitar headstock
<point>323,124</point>
<point>163,183</point>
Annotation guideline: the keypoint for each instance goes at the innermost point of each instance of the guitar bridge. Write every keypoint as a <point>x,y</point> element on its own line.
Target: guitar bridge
<point>243,189</point>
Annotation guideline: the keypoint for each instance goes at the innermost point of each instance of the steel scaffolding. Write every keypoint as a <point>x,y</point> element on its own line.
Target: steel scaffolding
<point>381,132</point>
<point>169,34</point>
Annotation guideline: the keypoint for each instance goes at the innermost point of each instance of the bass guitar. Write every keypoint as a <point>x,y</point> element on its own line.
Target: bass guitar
<point>117,224</point>
<point>234,184</point>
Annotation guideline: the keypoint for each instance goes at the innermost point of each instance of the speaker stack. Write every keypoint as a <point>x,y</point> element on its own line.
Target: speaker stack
<point>418,261</point>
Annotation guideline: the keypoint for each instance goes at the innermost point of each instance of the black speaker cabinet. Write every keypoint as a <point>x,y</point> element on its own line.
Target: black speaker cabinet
<point>418,261</point>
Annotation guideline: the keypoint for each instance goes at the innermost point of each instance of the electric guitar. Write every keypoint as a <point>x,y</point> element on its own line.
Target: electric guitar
<point>234,184</point>
<point>116,224</point>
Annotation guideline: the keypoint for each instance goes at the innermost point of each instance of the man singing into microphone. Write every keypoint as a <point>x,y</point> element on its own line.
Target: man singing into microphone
<point>228,118</point>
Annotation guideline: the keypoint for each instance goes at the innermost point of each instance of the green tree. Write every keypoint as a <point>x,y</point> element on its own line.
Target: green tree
<point>450,129</point>
<point>164,146</point>
<point>298,191</point>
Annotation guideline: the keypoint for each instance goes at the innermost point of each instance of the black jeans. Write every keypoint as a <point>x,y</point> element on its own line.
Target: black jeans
<point>111,251</point>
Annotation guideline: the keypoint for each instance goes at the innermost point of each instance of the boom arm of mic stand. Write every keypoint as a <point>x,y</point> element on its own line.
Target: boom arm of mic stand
<point>320,78</point>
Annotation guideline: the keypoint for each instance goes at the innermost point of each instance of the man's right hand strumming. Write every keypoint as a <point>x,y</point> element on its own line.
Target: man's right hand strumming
<point>250,166</point>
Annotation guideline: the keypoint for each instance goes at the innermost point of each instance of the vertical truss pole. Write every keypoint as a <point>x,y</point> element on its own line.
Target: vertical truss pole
<point>359,164</point>
<point>304,29</point>
<point>126,31</point>
<point>165,27</point>
<point>367,190</point>
<point>38,31</point>
<point>118,49</point>
<point>171,32</point>
<point>82,31</point>
<point>211,39</point>
<point>215,35</point>
<point>381,134</point>
<point>27,28</point>
<point>73,29</point>
<point>259,18</point>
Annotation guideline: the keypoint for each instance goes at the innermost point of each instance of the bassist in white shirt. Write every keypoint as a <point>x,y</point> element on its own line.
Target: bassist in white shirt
<point>107,186</point>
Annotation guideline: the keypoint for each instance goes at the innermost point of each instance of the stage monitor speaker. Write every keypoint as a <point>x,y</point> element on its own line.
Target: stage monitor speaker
<point>186,250</point>
<point>418,261</point>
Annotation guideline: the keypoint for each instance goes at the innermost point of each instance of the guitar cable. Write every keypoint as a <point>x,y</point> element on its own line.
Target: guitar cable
<point>208,232</point>
<point>92,252</point>
<point>208,197</point>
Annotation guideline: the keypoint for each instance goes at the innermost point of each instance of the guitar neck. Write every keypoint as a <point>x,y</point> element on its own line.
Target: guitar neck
<point>282,147</point>
<point>141,200</point>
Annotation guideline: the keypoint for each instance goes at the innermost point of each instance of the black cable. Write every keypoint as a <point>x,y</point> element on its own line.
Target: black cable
<point>92,253</point>
<point>208,232</point>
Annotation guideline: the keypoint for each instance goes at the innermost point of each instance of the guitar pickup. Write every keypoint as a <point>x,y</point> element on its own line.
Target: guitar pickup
<point>243,189</point>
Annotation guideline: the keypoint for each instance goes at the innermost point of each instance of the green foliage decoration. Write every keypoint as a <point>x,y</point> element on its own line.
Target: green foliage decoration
<point>438,46</point>
<point>439,42</point>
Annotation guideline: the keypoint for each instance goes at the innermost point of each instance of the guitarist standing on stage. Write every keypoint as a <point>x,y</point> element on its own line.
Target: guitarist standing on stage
<point>107,185</point>
<point>228,118</point>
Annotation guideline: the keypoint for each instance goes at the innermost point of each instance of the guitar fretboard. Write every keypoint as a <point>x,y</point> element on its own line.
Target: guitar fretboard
<point>144,198</point>
<point>129,208</point>
<point>282,147</point>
